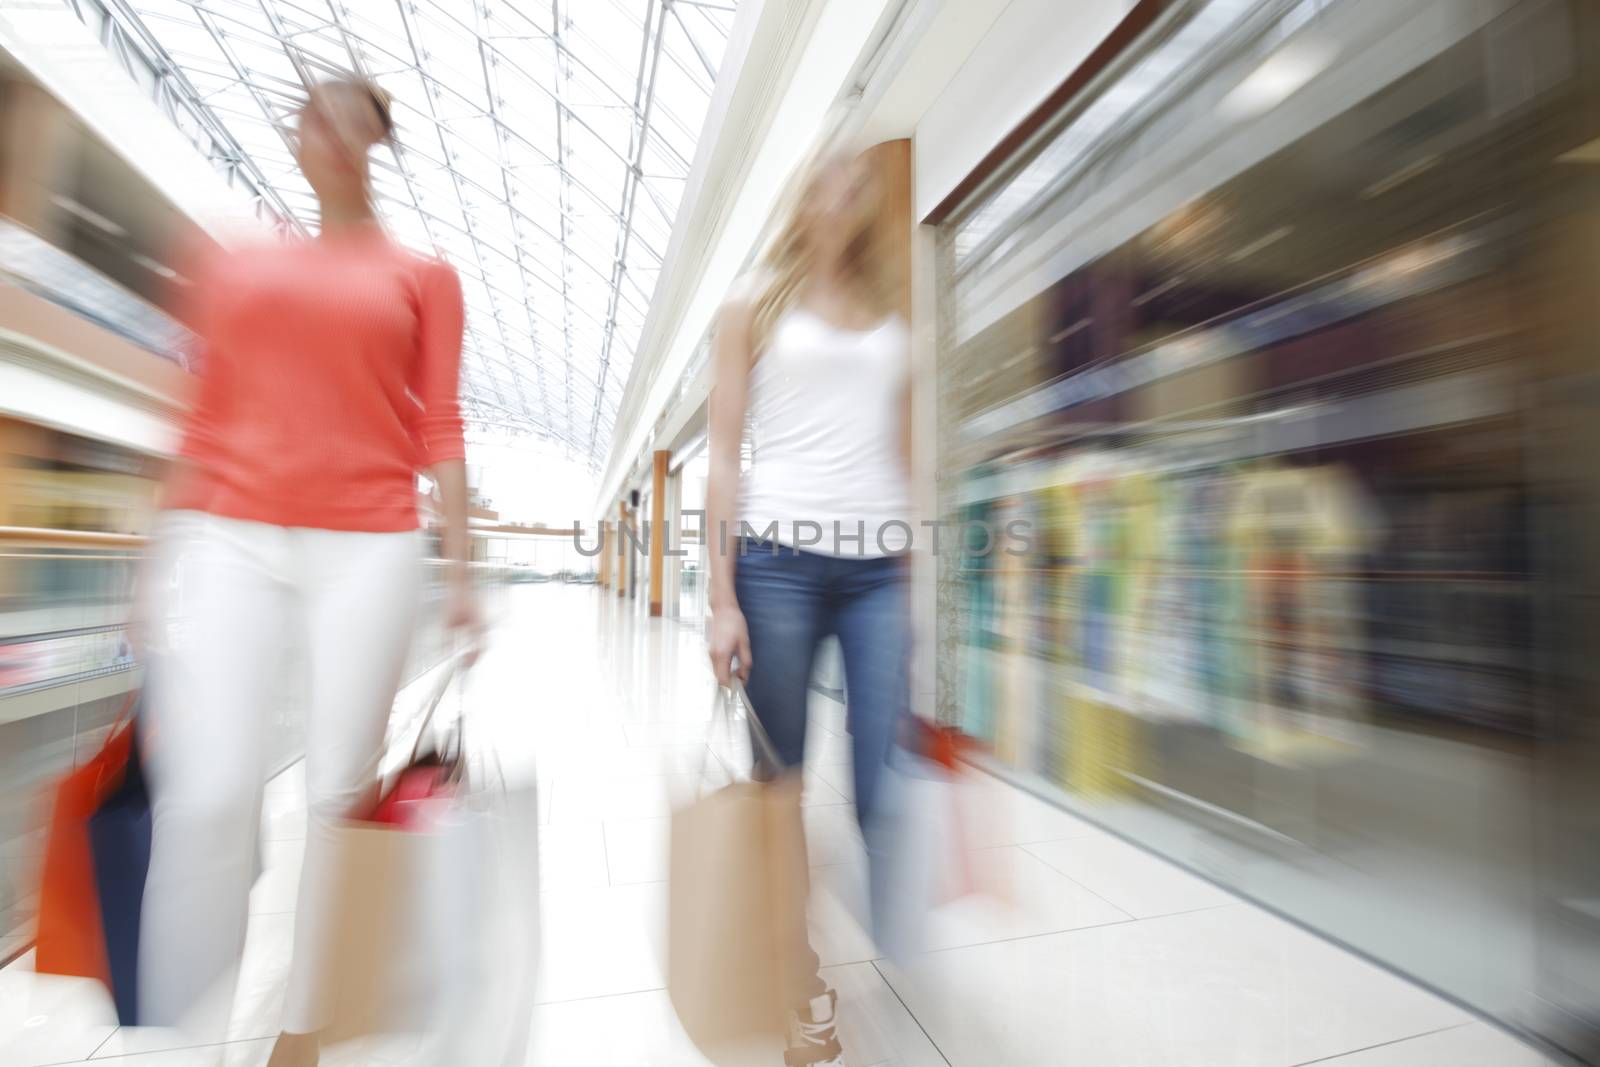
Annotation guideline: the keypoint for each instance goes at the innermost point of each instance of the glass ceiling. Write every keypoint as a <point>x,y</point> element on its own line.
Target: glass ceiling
<point>542,148</point>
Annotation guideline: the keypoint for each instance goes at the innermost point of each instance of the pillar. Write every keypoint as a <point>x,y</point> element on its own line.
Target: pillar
<point>891,162</point>
<point>622,548</point>
<point>605,556</point>
<point>658,526</point>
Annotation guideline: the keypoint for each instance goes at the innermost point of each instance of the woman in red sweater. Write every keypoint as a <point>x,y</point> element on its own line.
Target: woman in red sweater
<point>328,382</point>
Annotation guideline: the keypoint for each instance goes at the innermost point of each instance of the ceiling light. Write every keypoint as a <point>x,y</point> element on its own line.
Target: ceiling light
<point>93,218</point>
<point>156,267</point>
<point>1258,244</point>
<point>1166,286</point>
<point>1280,76</point>
<point>1400,177</point>
<point>1588,152</point>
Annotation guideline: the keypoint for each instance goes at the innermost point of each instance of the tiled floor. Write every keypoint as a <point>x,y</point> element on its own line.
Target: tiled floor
<point>1080,950</point>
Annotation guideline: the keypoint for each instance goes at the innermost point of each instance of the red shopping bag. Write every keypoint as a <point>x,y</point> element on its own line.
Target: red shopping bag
<point>419,788</point>
<point>71,934</point>
<point>949,749</point>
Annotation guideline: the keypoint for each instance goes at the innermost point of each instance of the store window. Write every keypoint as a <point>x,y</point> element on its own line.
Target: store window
<point>1264,341</point>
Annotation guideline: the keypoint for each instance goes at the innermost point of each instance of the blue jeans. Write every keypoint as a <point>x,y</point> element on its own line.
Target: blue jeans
<point>791,600</point>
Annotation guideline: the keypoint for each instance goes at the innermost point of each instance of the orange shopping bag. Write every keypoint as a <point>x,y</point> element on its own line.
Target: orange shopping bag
<point>71,936</point>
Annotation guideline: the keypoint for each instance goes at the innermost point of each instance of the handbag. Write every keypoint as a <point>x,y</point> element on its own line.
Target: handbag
<point>736,906</point>
<point>97,853</point>
<point>119,839</point>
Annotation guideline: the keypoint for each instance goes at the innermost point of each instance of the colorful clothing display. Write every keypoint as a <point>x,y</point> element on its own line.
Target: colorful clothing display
<point>1161,590</point>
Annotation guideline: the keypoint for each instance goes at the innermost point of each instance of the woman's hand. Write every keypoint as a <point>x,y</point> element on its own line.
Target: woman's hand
<point>462,616</point>
<point>729,640</point>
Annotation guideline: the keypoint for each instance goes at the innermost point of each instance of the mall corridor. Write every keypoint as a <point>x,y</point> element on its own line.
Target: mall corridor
<point>1090,952</point>
<point>1186,409</point>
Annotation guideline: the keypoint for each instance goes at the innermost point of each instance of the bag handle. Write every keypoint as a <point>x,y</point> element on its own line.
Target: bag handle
<point>453,666</point>
<point>124,720</point>
<point>454,755</point>
<point>722,698</point>
<point>769,751</point>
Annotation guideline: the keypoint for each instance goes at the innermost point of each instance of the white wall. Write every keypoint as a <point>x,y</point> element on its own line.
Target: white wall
<point>1028,51</point>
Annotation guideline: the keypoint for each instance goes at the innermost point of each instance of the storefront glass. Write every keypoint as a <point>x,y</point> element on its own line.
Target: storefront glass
<point>1275,345</point>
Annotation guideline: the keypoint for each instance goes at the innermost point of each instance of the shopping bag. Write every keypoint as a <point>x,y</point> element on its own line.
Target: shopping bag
<point>933,814</point>
<point>379,970</point>
<point>71,935</point>
<point>420,785</point>
<point>119,837</point>
<point>736,907</point>
<point>944,818</point>
<point>488,962</point>
<point>918,858</point>
<point>370,933</point>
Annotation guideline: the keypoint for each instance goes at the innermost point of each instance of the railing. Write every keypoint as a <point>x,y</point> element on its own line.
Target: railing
<point>36,265</point>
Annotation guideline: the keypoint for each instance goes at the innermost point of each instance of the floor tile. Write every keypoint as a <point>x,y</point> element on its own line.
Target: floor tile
<point>832,835</point>
<point>874,1026</point>
<point>619,1031</point>
<point>601,942</point>
<point>991,816</point>
<point>1472,1045</point>
<point>46,1019</point>
<point>231,1054</point>
<point>257,1002</point>
<point>1076,948</point>
<point>820,790</point>
<point>637,850</point>
<point>1226,987</point>
<point>838,917</point>
<point>825,747</point>
<point>1135,881</point>
<point>840,776</point>
<point>594,800</point>
<point>1028,898</point>
<point>642,1028</point>
<point>572,856</point>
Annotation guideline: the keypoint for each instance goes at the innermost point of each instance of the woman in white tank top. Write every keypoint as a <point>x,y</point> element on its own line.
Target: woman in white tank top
<point>812,540</point>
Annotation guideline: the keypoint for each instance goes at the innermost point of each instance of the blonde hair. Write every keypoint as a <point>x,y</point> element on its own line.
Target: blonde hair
<point>786,262</point>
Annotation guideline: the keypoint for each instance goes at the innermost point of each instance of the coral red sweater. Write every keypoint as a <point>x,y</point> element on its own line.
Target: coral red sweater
<point>328,379</point>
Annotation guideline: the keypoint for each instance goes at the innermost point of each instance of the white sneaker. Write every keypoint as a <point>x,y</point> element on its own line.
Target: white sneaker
<point>812,1040</point>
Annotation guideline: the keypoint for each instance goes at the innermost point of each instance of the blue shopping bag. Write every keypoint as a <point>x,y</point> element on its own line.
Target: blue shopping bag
<point>119,842</point>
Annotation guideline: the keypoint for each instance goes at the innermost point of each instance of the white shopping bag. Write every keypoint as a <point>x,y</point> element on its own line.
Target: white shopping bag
<point>490,900</point>
<point>914,845</point>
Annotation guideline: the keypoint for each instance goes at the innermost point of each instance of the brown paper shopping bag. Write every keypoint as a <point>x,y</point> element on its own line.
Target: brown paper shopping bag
<point>370,940</point>
<point>402,889</point>
<point>736,913</point>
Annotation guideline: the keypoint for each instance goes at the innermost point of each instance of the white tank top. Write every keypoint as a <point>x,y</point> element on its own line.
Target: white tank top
<point>825,408</point>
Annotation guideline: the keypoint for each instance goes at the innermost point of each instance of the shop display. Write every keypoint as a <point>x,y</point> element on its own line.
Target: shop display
<point>1311,463</point>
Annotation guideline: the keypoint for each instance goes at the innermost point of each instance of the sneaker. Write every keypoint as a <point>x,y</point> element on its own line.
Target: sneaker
<point>812,1040</point>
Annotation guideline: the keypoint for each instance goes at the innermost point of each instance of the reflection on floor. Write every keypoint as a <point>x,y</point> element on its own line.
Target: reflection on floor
<point>1100,955</point>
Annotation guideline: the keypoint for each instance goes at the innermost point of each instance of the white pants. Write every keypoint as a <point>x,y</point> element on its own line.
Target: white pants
<point>217,653</point>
